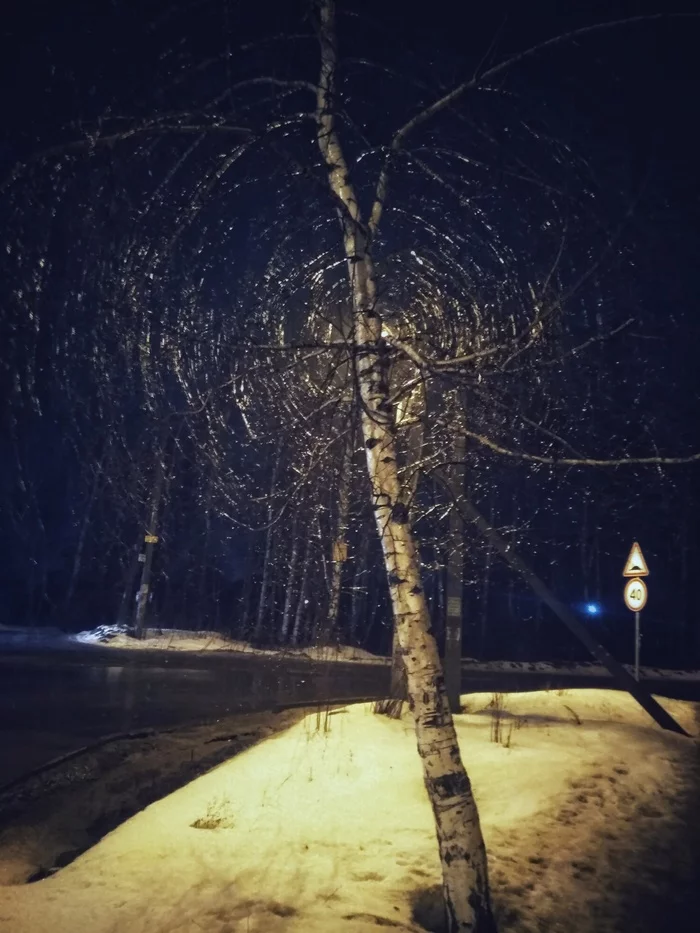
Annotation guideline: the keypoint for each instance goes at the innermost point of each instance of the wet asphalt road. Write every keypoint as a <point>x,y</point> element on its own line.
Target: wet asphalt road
<point>54,702</point>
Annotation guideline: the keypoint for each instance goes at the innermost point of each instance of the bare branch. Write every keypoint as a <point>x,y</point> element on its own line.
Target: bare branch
<point>430,363</point>
<point>92,141</point>
<point>442,103</point>
<point>597,338</point>
<point>580,461</point>
<point>276,82</point>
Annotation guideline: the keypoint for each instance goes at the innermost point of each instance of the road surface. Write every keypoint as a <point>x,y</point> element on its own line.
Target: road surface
<point>54,702</point>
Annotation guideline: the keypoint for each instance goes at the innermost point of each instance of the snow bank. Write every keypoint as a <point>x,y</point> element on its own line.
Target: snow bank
<point>581,669</point>
<point>326,828</point>
<point>117,636</point>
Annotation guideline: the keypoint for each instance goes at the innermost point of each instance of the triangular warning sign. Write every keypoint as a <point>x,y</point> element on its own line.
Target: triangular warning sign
<point>636,566</point>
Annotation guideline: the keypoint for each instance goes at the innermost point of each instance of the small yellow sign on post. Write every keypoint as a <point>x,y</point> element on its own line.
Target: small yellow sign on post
<point>151,539</point>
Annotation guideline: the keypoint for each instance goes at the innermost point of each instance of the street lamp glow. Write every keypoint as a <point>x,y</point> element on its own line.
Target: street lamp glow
<point>592,609</point>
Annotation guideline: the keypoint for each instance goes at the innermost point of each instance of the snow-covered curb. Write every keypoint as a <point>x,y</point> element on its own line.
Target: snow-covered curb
<point>180,640</point>
<point>580,669</point>
<point>116,636</point>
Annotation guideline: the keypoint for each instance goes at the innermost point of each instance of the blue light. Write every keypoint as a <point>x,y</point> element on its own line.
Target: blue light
<point>593,609</point>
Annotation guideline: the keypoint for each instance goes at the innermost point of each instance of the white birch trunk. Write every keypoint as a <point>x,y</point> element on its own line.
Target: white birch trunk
<point>461,845</point>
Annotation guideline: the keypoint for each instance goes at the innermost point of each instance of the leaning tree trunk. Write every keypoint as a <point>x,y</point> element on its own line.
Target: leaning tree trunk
<point>462,851</point>
<point>461,845</point>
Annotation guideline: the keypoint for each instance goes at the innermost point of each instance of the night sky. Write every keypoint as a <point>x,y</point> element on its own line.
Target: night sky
<point>625,100</point>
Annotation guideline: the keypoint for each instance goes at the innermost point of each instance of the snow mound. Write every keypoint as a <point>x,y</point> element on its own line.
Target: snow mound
<point>327,827</point>
<point>340,653</point>
<point>102,634</point>
<point>121,636</point>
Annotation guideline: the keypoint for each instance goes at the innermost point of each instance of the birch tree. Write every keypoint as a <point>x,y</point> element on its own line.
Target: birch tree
<point>460,841</point>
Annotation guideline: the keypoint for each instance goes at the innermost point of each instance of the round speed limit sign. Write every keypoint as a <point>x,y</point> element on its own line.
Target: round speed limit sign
<point>635,594</point>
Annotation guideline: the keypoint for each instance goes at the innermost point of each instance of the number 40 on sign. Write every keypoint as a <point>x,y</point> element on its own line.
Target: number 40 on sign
<point>635,595</point>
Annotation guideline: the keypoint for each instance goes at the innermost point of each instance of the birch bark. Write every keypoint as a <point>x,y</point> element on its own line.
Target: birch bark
<point>461,845</point>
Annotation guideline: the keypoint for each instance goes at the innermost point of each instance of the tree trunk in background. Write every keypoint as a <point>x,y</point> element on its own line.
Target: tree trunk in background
<point>303,583</point>
<point>317,608</point>
<point>264,583</point>
<point>485,592</point>
<point>439,596</point>
<point>455,563</point>
<point>359,592</point>
<point>289,588</point>
<point>201,602</point>
<point>150,540</point>
<point>339,555</point>
<point>126,603</point>
<point>375,606</point>
<point>244,611</point>
<point>461,845</point>
<point>83,530</point>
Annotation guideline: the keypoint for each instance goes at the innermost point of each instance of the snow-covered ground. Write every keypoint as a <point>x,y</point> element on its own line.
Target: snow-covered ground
<point>326,827</point>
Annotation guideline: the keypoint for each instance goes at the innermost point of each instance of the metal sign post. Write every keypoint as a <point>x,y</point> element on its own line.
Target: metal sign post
<point>636,594</point>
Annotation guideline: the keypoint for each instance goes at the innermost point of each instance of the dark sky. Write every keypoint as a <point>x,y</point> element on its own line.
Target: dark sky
<point>626,97</point>
<point>638,85</point>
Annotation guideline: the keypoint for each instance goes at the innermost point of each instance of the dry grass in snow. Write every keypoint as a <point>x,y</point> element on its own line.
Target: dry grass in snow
<point>586,807</point>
